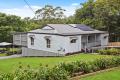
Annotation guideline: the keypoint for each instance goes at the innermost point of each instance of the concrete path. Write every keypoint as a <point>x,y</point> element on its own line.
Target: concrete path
<point>12,56</point>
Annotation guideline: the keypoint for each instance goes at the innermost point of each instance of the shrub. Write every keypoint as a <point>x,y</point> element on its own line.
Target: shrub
<point>111,51</point>
<point>93,67</point>
<point>6,76</point>
<point>83,66</point>
<point>57,73</point>
<point>69,67</point>
<point>103,52</point>
<point>43,73</point>
<point>90,66</point>
<point>75,67</point>
<point>101,63</point>
<point>116,61</point>
<point>13,51</point>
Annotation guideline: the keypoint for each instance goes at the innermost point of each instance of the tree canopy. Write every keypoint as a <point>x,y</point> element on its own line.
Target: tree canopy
<point>99,14</point>
<point>50,12</point>
<point>9,24</point>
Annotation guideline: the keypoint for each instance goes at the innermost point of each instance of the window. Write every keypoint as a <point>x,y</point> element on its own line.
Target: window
<point>48,42</point>
<point>73,41</point>
<point>105,37</point>
<point>32,40</point>
<point>90,38</point>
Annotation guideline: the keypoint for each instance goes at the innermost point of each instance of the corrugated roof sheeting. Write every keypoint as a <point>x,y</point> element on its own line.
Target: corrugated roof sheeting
<point>66,29</point>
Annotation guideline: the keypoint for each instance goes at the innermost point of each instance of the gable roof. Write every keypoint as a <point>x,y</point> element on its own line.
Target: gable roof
<point>66,29</point>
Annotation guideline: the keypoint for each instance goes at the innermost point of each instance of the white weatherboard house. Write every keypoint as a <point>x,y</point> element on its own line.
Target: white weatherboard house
<point>60,39</point>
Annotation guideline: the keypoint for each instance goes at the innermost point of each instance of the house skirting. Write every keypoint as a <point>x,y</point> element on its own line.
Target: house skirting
<point>32,52</point>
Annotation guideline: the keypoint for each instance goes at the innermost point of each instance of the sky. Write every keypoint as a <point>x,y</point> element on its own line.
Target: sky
<point>20,8</point>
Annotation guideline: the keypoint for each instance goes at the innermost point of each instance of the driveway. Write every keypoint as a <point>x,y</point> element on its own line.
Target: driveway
<point>12,56</point>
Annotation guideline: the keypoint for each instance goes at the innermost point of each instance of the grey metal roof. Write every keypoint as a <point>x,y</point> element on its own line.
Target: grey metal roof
<point>43,31</point>
<point>65,29</point>
<point>82,27</point>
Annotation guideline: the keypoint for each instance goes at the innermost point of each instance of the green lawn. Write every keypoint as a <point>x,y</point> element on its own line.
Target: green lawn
<point>8,65</point>
<point>110,75</point>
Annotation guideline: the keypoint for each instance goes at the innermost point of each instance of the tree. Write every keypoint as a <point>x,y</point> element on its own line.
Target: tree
<point>6,33</point>
<point>85,15</point>
<point>50,12</point>
<point>8,24</point>
<point>108,11</point>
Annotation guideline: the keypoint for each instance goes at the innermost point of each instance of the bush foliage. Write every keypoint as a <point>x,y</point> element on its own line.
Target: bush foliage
<point>111,51</point>
<point>13,51</point>
<point>90,66</point>
<point>43,73</point>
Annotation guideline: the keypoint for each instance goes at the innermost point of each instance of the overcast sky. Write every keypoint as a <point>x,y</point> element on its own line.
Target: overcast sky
<point>20,8</point>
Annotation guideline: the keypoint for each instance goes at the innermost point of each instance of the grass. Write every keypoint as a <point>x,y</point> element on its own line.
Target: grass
<point>109,75</point>
<point>8,65</point>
